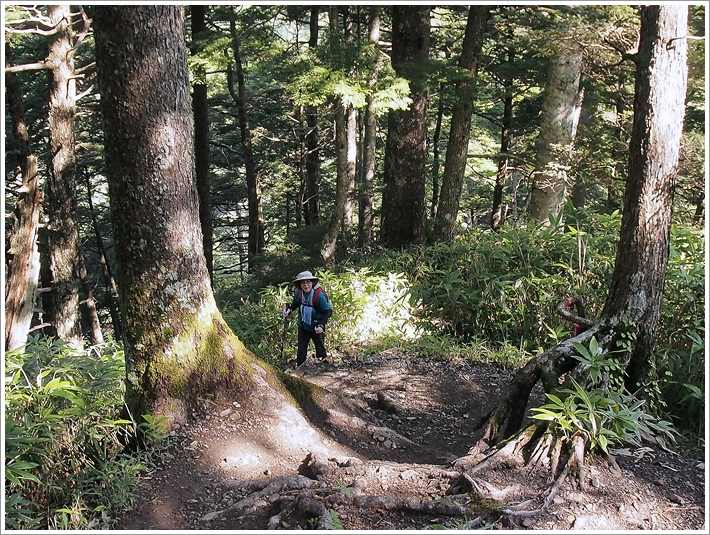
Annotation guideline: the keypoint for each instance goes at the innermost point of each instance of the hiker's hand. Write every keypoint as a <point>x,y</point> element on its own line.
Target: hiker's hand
<point>285,312</point>
<point>318,329</point>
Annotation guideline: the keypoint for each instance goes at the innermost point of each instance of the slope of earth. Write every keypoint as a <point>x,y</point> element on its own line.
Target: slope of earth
<point>388,469</point>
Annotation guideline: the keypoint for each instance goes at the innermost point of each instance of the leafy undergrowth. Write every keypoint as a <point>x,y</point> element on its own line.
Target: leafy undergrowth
<point>66,465</point>
<point>493,296</point>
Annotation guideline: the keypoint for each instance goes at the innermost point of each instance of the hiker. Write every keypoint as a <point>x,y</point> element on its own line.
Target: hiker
<point>314,310</point>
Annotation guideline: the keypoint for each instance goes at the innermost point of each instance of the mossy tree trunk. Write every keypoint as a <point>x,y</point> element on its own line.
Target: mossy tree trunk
<point>177,344</point>
<point>403,197</point>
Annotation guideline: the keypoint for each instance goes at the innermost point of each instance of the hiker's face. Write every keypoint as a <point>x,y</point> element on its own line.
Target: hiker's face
<point>306,286</point>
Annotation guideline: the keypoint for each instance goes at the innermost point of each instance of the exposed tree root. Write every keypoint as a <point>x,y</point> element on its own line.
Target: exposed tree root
<point>380,472</point>
<point>260,498</point>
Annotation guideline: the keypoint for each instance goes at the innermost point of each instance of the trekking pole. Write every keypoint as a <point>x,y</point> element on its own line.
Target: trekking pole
<point>283,338</point>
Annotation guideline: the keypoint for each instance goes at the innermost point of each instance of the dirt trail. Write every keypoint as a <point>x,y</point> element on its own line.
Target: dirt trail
<point>432,408</point>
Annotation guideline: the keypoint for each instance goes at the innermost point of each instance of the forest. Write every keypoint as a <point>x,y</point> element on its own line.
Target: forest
<point>488,218</point>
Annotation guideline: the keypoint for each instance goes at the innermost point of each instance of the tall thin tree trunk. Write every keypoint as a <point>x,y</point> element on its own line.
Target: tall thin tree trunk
<point>107,275</point>
<point>502,171</point>
<point>23,253</point>
<point>436,153</point>
<point>88,304</point>
<point>642,252</point>
<point>351,136</point>
<point>202,128</point>
<point>586,117</point>
<point>620,145</point>
<point>404,195</point>
<point>256,219</point>
<point>62,232</point>
<point>560,116</point>
<point>457,148</point>
<point>370,143</point>
<point>345,150</point>
<point>312,209</point>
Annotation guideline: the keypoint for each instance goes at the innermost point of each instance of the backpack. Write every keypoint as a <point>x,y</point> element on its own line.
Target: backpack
<point>316,295</point>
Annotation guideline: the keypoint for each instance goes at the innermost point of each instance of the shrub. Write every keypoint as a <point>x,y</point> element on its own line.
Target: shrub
<point>64,461</point>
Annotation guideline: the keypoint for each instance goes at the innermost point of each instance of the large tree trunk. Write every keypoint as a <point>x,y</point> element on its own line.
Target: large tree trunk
<point>62,232</point>
<point>312,210</point>
<point>560,116</point>
<point>659,108</point>
<point>505,131</point>
<point>369,145</point>
<point>177,345</point>
<point>457,148</point>
<point>256,219</point>
<point>202,128</point>
<point>23,254</point>
<point>403,198</point>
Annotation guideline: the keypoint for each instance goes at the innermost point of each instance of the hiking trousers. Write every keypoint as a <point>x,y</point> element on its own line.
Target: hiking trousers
<point>304,337</point>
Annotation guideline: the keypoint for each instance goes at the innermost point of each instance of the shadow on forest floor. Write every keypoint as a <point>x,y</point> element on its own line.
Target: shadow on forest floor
<point>436,405</point>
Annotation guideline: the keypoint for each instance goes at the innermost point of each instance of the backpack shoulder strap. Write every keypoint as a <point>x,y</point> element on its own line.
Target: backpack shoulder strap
<point>316,295</point>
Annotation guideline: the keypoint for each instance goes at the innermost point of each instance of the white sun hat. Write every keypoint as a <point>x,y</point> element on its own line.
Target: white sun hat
<point>305,276</point>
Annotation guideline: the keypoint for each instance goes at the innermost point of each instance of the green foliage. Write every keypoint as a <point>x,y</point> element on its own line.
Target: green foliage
<point>365,305</point>
<point>64,464</point>
<point>497,286</point>
<point>602,369</point>
<point>605,418</point>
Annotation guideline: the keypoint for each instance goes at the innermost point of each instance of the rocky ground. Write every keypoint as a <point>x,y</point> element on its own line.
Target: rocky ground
<point>222,472</point>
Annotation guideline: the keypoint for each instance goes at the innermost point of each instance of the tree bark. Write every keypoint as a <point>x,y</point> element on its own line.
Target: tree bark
<point>370,143</point>
<point>178,347</point>
<point>505,131</point>
<point>457,148</point>
<point>312,206</point>
<point>62,232</point>
<point>642,252</point>
<point>560,116</point>
<point>23,253</point>
<point>174,335</point>
<point>256,219</point>
<point>586,118</point>
<point>403,198</point>
<point>202,128</point>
